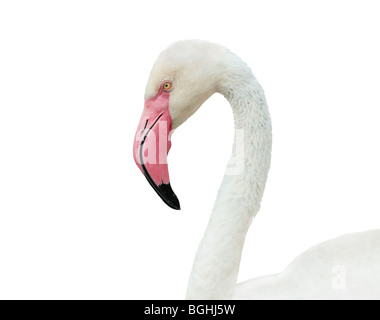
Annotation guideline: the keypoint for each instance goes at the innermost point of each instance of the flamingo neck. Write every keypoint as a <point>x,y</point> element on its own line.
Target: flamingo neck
<point>217,261</point>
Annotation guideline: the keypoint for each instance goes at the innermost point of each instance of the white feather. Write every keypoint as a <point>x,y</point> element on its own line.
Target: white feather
<point>343,268</point>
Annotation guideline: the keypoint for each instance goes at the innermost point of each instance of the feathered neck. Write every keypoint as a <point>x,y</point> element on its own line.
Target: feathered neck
<point>218,257</point>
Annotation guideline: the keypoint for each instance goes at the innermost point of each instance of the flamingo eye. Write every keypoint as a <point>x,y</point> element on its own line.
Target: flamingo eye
<point>167,86</point>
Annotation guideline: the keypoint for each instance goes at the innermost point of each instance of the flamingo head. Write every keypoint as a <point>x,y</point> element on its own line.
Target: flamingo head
<point>182,78</point>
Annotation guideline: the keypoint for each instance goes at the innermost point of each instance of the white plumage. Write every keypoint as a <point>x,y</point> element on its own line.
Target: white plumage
<point>344,268</point>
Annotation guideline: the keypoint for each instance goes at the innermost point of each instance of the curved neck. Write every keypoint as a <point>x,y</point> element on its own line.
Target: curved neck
<point>217,261</point>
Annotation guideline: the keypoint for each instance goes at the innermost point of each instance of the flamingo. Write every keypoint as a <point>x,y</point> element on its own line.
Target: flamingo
<point>183,77</point>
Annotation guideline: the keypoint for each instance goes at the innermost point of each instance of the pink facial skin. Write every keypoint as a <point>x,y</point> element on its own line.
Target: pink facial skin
<point>153,135</point>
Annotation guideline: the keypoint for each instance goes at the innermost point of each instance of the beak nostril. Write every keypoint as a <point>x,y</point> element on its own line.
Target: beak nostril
<point>142,131</point>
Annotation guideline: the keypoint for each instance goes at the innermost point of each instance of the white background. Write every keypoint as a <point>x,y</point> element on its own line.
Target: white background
<point>77,218</point>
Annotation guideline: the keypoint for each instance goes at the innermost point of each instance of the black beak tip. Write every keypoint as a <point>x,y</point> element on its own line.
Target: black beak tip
<point>167,194</point>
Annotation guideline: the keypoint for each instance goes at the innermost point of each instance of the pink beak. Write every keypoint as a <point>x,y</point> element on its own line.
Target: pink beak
<point>152,145</point>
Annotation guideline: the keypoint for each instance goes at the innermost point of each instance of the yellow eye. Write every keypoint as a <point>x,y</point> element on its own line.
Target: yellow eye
<point>167,86</point>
